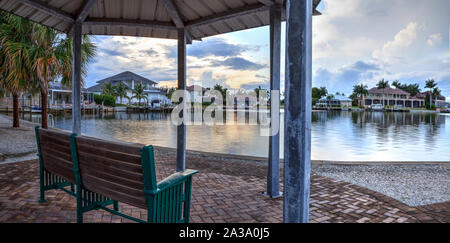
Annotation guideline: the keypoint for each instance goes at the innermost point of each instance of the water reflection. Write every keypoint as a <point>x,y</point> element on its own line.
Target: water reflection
<point>347,136</point>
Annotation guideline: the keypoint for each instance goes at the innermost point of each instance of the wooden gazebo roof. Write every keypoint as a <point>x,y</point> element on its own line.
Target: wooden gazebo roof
<point>147,18</point>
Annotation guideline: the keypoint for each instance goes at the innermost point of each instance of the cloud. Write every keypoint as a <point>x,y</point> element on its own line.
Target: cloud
<point>354,41</point>
<point>401,43</point>
<point>435,39</point>
<point>214,47</point>
<point>348,75</point>
<point>238,63</point>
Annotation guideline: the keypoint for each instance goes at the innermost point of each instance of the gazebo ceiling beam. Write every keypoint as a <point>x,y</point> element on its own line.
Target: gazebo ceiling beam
<point>130,23</point>
<point>249,9</point>
<point>177,19</point>
<point>84,12</point>
<point>266,2</point>
<point>44,7</point>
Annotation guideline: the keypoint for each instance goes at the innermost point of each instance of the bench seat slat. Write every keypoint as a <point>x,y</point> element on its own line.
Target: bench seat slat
<point>56,154</point>
<point>114,191</point>
<point>117,179</point>
<point>129,158</point>
<point>115,147</point>
<point>89,162</point>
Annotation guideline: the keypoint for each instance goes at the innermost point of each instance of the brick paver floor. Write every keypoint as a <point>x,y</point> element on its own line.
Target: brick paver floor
<point>227,189</point>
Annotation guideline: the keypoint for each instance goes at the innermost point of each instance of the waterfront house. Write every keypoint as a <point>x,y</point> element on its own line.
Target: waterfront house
<point>338,101</point>
<point>392,97</point>
<point>196,93</point>
<point>438,101</point>
<point>155,95</point>
<point>61,96</point>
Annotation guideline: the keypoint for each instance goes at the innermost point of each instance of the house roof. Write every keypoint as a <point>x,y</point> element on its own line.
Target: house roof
<point>423,95</point>
<point>95,88</point>
<point>149,18</point>
<point>388,90</point>
<point>195,87</point>
<point>338,98</point>
<point>126,76</point>
<point>60,86</point>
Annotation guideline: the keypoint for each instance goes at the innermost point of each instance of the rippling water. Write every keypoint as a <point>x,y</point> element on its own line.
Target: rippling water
<point>343,136</point>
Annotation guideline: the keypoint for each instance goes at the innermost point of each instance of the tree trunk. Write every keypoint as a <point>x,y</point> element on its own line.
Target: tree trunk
<point>44,113</point>
<point>16,110</point>
<point>431,100</point>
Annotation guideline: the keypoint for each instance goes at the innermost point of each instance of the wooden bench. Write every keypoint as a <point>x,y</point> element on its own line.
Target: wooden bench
<point>108,172</point>
<point>56,164</point>
<point>126,172</point>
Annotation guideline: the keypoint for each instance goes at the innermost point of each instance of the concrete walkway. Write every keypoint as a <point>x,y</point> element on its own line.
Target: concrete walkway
<point>16,144</point>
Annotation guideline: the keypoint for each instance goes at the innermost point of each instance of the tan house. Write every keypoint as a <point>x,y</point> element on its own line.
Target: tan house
<point>392,97</point>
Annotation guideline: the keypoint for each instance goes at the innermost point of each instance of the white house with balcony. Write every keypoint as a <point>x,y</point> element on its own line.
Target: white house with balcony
<point>155,95</point>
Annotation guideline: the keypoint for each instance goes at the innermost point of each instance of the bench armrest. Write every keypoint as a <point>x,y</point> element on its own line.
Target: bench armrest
<point>175,178</point>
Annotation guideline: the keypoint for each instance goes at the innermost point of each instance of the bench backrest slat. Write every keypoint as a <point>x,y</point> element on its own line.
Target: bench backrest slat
<point>112,169</point>
<point>56,154</point>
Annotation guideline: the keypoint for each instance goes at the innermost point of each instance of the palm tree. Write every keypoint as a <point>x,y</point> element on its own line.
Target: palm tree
<point>14,58</point>
<point>361,91</point>
<point>64,53</point>
<point>121,91</point>
<point>139,93</point>
<point>382,84</point>
<point>397,84</point>
<point>108,89</point>
<point>329,99</point>
<point>169,92</point>
<point>430,84</point>
<point>223,91</point>
<point>41,55</point>
<point>436,93</point>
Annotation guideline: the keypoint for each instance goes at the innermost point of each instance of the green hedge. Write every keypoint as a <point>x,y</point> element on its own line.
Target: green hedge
<point>108,99</point>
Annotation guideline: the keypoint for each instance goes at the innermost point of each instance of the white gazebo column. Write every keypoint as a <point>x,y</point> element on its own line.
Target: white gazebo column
<point>273,175</point>
<point>181,130</point>
<point>297,138</point>
<point>76,79</point>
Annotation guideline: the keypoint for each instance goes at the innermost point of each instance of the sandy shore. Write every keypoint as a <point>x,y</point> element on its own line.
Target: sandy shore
<point>413,183</point>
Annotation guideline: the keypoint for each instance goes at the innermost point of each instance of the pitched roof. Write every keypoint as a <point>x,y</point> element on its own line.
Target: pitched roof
<point>95,88</point>
<point>126,76</point>
<point>423,95</point>
<point>339,98</point>
<point>149,18</point>
<point>388,90</point>
<point>195,87</point>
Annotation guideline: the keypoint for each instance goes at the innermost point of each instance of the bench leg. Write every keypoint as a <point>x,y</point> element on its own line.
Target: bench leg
<point>42,196</point>
<point>41,183</point>
<point>116,205</point>
<point>42,190</point>
<point>79,216</point>
<point>72,188</point>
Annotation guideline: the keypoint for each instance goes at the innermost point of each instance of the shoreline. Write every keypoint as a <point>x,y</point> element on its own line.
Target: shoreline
<point>26,124</point>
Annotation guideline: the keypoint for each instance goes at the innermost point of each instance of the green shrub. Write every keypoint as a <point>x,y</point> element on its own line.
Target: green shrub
<point>108,100</point>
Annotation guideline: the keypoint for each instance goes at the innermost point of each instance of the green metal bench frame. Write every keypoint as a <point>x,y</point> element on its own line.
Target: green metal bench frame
<point>167,201</point>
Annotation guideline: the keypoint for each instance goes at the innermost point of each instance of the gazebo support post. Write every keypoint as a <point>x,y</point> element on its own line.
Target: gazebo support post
<point>76,78</point>
<point>297,138</point>
<point>273,176</point>
<point>181,130</point>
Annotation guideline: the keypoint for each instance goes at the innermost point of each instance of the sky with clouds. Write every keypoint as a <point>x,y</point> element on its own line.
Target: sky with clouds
<point>354,41</point>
